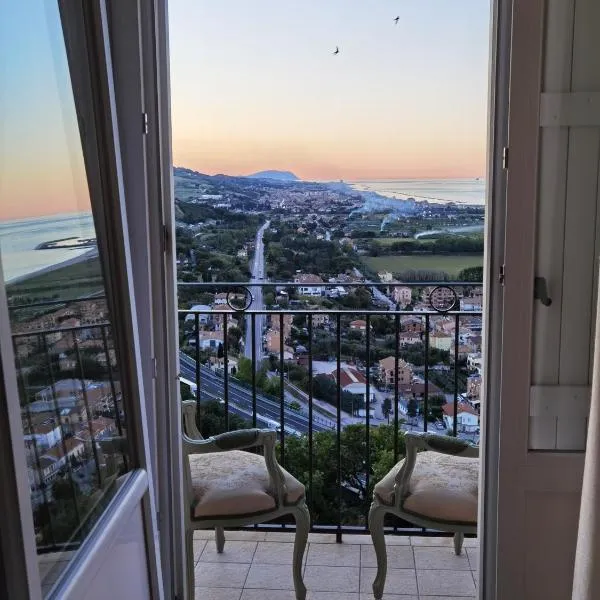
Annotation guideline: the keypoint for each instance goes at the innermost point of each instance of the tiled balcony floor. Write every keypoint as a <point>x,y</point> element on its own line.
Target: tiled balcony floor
<point>257,566</point>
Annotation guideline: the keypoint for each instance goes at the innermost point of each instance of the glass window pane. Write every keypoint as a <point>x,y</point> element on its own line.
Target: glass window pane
<point>74,424</point>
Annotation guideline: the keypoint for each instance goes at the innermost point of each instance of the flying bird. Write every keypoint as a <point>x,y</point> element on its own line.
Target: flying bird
<point>396,20</point>
<point>337,50</point>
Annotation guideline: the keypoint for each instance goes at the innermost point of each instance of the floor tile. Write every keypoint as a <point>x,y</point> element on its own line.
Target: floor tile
<point>218,575</point>
<point>270,577</point>
<point>279,536</point>
<point>245,535</point>
<point>440,582</point>
<point>332,596</point>
<point>390,540</point>
<point>204,534</point>
<point>398,557</point>
<point>233,552</point>
<point>440,558</point>
<point>217,594</point>
<point>321,538</point>
<point>369,596</point>
<point>443,597</point>
<point>268,595</point>
<point>274,553</point>
<point>331,579</point>
<point>334,555</point>
<point>198,549</point>
<point>473,556</point>
<point>397,581</point>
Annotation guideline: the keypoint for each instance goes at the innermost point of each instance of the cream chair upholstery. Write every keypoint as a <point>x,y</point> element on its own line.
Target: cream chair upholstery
<point>437,488</point>
<point>227,487</point>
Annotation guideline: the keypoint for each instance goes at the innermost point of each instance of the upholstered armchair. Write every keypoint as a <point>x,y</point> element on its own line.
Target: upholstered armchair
<point>437,488</point>
<point>227,487</point>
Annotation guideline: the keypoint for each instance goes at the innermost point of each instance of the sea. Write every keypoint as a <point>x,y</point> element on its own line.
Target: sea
<point>460,191</point>
<point>18,241</point>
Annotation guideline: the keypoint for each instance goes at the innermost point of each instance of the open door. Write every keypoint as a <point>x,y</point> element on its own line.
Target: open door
<point>76,426</point>
<point>552,239</point>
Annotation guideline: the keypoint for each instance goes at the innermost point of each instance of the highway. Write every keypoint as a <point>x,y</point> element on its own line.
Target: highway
<point>240,398</point>
<point>258,275</point>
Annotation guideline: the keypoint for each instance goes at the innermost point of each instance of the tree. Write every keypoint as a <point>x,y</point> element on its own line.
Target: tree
<point>387,407</point>
<point>411,408</point>
<point>294,405</point>
<point>356,497</point>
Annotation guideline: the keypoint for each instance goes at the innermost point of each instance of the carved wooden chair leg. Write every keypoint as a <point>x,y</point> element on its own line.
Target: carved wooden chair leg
<point>302,516</point>
<point>220,538</point>
<point>458,542</point>
<point>376,516</point>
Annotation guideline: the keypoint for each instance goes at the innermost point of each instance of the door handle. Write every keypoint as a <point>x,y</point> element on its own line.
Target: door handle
<point>540,291</point>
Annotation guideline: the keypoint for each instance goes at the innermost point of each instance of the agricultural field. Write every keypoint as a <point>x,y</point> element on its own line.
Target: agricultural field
<point>450,263</point>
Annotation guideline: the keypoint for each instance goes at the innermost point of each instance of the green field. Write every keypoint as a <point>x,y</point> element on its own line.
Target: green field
<point>450,263</point>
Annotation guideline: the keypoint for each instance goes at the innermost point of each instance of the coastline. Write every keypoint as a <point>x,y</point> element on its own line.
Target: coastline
<point>86,256</point>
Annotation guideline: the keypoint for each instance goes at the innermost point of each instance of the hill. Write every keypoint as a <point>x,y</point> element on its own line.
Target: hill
<point>279,175</point>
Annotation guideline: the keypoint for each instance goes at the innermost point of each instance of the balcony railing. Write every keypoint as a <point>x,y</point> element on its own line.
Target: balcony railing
<point>74,424</point>
<point>339,346</point>
<point>315,378</point>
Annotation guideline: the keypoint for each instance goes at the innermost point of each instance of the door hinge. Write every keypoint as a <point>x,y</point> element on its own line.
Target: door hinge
<point>501,275</point>
<point>154,368</point>
<point>505,157</point>
<point>145,123</point>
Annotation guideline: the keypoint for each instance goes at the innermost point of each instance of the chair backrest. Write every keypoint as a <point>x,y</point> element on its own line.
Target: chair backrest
<point>190,428</point>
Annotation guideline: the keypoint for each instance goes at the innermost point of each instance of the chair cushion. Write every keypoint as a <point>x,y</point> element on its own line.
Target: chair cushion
<point>441,488</point>
<point>235,483</point>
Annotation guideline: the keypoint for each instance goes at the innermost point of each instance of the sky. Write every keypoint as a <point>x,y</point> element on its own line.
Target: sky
<point>41,162</point>
<point>255,85</point>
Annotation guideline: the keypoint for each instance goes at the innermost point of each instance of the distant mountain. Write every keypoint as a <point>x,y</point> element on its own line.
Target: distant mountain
<point>278,175</point>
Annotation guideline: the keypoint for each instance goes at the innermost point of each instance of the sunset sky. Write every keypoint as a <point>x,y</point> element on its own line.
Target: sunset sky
<point>255,86</point>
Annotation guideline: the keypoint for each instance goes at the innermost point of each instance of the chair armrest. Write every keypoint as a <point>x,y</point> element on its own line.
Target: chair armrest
<point>240,440</point>
<point>416,441</point>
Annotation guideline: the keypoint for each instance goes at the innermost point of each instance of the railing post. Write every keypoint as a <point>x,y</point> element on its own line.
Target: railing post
<point>454,422</point>
<point>338,535</point>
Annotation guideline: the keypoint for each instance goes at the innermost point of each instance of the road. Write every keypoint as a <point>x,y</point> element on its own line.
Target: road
<point>258,275</point>
<point>240,398</point>
<point>377,293</point>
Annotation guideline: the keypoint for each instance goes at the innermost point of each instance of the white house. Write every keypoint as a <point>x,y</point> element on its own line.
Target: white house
<point>45,435</point>
<point>467,419</point>
<point>203,317</point>
<point>309,290</point>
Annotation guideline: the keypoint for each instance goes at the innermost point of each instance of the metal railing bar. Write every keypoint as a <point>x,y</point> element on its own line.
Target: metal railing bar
<point>282,389</point>
<point>59,424</point>
<point>310,413</point>
<point>87,409</point>
<point>338,432</point>
<point>454,422</point>
<point>368,408</point>
<point>426,390</point>
<point>226,370</point>
<point>253,354</point>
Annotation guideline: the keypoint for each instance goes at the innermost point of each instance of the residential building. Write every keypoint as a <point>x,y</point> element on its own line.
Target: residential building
<point>388,373</point>
<point>402,295</point>
<point>207,340</point>
<point>467,418</point>
<point>309,290</point>
<point>441,341</point>
<point>204,316</point>
<point>385,276</point>
<point>358,325</point>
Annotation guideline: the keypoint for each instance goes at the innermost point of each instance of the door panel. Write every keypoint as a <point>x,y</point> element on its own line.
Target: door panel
<point>551,232</point>
<point>71,305</point>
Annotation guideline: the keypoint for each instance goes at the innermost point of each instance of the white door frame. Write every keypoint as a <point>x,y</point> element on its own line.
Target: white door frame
<point>499,77</point>
<point>21,577</point>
